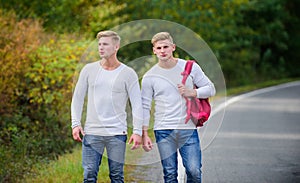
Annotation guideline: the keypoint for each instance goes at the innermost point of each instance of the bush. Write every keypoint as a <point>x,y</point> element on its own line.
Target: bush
<point>36,80</point>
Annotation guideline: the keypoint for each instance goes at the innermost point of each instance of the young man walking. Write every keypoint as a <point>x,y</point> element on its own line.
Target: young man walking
<point>108,84</point>
<point>162,83</point>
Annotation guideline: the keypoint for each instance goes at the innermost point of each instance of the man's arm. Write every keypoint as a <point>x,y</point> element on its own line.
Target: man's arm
<point>134,93</point>
<point>77,105</point>
<point>76,132</point>
<point>147,93</point>
<point>205,87</point>
<point>147,142</point>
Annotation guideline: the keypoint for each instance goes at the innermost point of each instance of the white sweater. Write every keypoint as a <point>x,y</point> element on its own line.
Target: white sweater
<point>170,107</point>
<point>108,93</point>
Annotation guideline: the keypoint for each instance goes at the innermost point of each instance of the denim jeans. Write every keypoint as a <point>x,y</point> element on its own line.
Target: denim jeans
<point>92,152</point>
<point>188,143</point>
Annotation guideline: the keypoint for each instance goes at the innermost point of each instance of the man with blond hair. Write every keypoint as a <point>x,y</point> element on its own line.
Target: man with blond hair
<point>162,83</point>
<point>108,84</point>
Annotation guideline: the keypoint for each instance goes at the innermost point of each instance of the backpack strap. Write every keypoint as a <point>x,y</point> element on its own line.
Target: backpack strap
<point>185,74</point>
<point>187,70</point>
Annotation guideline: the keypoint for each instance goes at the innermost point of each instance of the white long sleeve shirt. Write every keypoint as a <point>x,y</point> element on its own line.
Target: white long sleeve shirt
<point>170,107</point>
<point>108,92</point>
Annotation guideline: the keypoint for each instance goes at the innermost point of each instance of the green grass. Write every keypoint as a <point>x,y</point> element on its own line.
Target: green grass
<point>67,168</point>
<point>247,88</point>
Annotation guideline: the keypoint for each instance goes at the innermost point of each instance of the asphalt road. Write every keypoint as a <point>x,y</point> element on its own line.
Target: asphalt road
<point>259,139</point>
<point>250,138</point>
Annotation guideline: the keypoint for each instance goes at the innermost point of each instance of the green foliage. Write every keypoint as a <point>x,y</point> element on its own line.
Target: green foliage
<point>48,92</point>
<point>57,15</point>
<point>66,169</point>
<point>104,15</point>
<point>17,40</point>
<point>271,35</point>
<point>37,73</point>
<point>250,38</point>
<point>267,30</point>
<point>15,149</point>
<point>49,80</point>
<point>68,15</point>
<point>292,25</point>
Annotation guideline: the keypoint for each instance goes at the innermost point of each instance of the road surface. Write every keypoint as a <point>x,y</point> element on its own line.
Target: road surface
<point>259,140</point>
<point>250,138</point>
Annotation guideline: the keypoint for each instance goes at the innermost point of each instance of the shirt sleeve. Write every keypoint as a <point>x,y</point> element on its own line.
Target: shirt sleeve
<point>205,88</point>
<point>134,94</point>
<point>78,98</point>
<point>147,95</point>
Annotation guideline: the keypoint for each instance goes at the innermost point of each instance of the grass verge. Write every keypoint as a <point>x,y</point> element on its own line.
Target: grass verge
<point>66,169</point>
<point>248,88</point>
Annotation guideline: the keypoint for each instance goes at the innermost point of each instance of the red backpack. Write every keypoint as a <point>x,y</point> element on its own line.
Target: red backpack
<point>197,109</point>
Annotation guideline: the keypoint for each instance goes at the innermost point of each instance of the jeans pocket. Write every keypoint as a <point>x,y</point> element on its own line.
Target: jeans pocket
<point>162,134</point>
<point>122,138</point>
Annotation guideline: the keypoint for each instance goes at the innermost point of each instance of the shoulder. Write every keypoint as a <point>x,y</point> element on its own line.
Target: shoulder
<point>181,63</point>
<point>151,71</point>
<point>125,69</point>
<point>196,69</point>
<point>127,73</point>
<point>195,66</point>
<point>88,68</point>
<point>91,65</point>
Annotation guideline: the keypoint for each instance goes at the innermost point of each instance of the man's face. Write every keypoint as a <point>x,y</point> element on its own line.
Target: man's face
<point>163,49</point>
<point>107,47</point>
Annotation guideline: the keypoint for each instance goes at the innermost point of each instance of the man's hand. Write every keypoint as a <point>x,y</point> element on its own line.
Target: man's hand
<point>76,131</point>
<point>185,92</point>
<point>136,139</point>
<point>147,143</point>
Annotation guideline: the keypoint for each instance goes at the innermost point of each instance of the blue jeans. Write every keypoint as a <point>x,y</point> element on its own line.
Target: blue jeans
<point>92,152</point>
<point>187,141</point>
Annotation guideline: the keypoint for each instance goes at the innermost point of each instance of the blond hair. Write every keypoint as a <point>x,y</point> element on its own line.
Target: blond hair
<point>115,37</point>
<point>161,36</point>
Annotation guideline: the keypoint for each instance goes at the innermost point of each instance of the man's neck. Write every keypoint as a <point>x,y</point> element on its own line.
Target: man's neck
<point>110,63</point>
<point>168,64</point>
